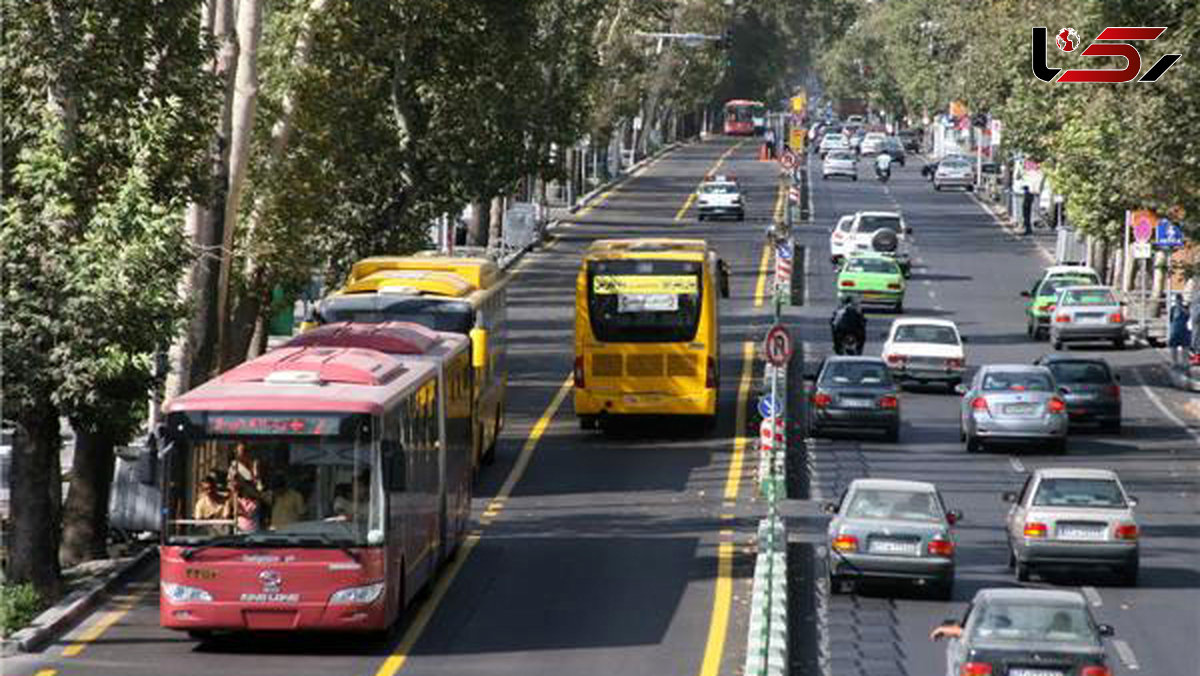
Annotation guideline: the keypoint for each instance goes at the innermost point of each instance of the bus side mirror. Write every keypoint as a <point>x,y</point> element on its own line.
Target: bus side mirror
<point>146,469</point>
<point>479,347</point>
<point>723,278</point>
<point>395,471</point>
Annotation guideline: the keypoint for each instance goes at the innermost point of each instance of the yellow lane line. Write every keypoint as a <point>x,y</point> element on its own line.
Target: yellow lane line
<point>46,672</point>
<point>719,624</point>
<point>734,479</point>
<point>602,197</point>
<point>760,287</point>
<point>779,202</point>
<point>687,203</point>
<point>395,662</point>
<point>107,620</point>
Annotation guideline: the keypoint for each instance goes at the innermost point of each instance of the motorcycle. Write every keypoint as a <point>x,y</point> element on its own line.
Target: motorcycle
<point>883,174</point>
<point>847,344</point>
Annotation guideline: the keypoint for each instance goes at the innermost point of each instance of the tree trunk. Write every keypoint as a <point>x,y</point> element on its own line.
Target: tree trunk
<point>496,223</point>
<point>477,227</point>
<point>85,513</point>
<point>33,554</point>
<point>245,99</point>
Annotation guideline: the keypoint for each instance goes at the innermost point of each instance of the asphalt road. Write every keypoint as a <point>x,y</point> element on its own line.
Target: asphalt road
<point>971,270</point>
<point>591,554</point>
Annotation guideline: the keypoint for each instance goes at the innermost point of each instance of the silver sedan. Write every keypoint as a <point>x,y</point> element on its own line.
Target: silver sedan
<point>1087,313</point>
<point>1013,403</point>
<point>886,529</point>
<point>1066,517</point>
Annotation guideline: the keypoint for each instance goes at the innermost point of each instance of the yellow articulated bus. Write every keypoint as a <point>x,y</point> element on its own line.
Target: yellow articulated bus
<point>465,295</point>
<point>647,331</point>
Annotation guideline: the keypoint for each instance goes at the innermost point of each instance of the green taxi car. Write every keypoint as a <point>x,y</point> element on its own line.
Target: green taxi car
<point>874,279</point>
<point>1039,303</point>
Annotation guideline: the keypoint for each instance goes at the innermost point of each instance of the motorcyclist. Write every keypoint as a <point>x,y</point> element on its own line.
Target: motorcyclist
<point>883,165</point>
<point>848,320</point>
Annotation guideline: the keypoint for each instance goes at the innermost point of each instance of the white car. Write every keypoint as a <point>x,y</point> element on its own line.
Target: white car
<point>925,350</point>
<point>872,143</point>
<point>840,163</point>
<point>720,196</point>
<point>954,173</point>
<point>832,142</point>
<point>883,232</point>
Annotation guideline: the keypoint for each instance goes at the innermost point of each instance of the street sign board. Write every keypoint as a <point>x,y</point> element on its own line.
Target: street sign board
<point>1142,250</point>
<point>778,346</point>
<point>788,159</point>
<point>1143,226</point>
<point>767,406</point>
<point>770,432</point>
<point>1168,235</point>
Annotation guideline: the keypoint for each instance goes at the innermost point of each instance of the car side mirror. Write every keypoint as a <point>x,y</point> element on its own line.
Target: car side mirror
<point>146,469</point>
<point>1009,496</point>
<point>954,516</point>
<point>1064,389</point>
<point>723,277</point>
<point>1133,501</point>
<point>883,335</point>
<point>1026,294</point>
<point>908,229</point>
<point>1105,630</point>
<point>963,339</point>
<point>829,508</point>
<point>960,389</point>
<point>1117,377</point>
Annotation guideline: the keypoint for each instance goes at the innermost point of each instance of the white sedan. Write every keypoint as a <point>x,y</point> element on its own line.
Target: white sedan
<point>925,350</point>
<point>840,163</point>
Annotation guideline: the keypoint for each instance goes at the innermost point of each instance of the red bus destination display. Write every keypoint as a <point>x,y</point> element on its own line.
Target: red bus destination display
<point>241,423</point>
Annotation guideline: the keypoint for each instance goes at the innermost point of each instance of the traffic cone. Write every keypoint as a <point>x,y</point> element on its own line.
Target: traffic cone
<point>762,153</point>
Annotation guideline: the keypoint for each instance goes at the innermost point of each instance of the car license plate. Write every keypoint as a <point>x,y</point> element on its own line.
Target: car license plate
<point>1081,532</point>
<point>885,546</point>
<point>857,403</point>
<point>1088,319</point>
<point>1034,672</point>
<point>1018,409</point>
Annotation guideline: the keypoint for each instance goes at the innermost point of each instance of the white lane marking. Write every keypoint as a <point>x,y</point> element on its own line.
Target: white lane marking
<point>1126,654</point>
<point>1016,464</point>
<point>1042,250</point>
<point>937,307</point>
<point>1166,410</point>
<point>926,282</point>
<point>1092,596</point>
<point>933,294</point>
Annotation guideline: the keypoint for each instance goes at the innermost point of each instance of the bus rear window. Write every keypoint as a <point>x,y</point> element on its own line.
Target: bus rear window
<point>644,301</point>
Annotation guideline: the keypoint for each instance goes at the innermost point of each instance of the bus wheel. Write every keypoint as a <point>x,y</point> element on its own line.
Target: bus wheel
<point>587,422</point>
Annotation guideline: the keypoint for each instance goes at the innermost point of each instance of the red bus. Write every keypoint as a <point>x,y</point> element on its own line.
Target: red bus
<point>745,118</point>
<point>312,488</point>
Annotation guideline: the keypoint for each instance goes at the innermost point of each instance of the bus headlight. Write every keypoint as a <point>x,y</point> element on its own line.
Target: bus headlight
<point>178,593</point>
<point>357,595</point>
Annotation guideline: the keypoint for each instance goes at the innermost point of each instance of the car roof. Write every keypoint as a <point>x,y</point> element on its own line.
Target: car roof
<point>879,213</point>
<point>1069,269</point>
<point>928,321</point>
<point>1085,287</point>
<point>894,485</point>
<point>853,358</point>
<point>1019,368</point>
<point>1075,473</point>
<point>1068,356</point>
<point>1055,596</point>
<point>869,254</point>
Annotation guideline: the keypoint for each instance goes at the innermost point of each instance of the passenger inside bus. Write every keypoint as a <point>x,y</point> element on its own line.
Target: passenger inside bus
<point>350,500</point>
<point>211,503</point>
<point>246,489</point>
<point>287,503</point>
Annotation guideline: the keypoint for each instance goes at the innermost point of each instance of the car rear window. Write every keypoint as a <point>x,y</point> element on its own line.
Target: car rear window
<point>718,189</point>
<point>1078,493</point>
<point>873,223</point>
<point>855,373</point>
<point>1081,372</point>
<point>871,503</point>
<point>1052,285</point>
<point>1000,381</point>
<point>841,156</point>
<point>880,265</point>
<point>1089,297</point>
<point>1023,622</point>
<point>917,333</point>
<point>956,165</point>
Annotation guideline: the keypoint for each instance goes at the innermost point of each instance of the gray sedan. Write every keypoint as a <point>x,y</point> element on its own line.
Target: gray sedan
<point>886,529</point>
<point>1087,313</point>
<point>1026,632</point>
<point>853,394</point>
<point>1080,518</point>
<point>1013,403</point>
<point>1090,387</point>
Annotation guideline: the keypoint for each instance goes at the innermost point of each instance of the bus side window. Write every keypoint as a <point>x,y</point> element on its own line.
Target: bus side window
<point>396,472</point>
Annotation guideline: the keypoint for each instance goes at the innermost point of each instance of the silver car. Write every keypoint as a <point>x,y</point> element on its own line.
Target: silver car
<point>887,529</point>
<point>954,173</point>
<point>1068,517</point>
<point>840,163</point>
<point>1087,313</point>
<point>1013,403</point>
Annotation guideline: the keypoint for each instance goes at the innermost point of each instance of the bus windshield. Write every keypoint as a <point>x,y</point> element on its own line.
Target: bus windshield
<point>373,308</point>
<point>257,478</point>
<point>644,301</point>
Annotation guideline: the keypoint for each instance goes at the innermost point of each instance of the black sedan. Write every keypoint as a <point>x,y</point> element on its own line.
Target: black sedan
<point>1090,388</point>
<point>1026,632</point>
<point>855,393</point>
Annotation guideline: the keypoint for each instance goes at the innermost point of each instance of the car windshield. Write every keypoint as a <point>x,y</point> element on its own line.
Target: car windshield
<point>1078,493</point>
<point>1051,286</point>
<point>956,165</point>
<point>718,189</point>
<point>841,156</point>
<point>1088,297</point>
<point>875,265</point>
<point>873,223</point>
<point>833,138</point>
<point>1028,621</point>
<point>904,505</point>
<point>855,373</point>
<point>1081,372</point>
<point>1000,381</point>
<point>926,333</point>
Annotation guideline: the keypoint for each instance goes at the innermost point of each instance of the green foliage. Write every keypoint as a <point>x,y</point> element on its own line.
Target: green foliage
<point>19,604</point>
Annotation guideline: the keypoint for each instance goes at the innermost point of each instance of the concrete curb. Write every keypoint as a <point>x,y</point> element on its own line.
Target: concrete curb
<point>57,620</point>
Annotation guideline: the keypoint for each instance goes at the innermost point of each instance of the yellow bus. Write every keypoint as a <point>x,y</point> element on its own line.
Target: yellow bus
<point>647,331</point>
<point>466,295</point>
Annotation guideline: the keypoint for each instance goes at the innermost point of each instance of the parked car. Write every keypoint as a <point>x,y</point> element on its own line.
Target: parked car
<point>924,350</point>
<point>1027,632</point>
<point>1090,387</point>
<point>1087,313</point>
<point>840,163</point>
<point>887,529</point>
<point>1013,403</point>
<point>855,394</point>
<point>873,279</point>
<point>1073,518</point>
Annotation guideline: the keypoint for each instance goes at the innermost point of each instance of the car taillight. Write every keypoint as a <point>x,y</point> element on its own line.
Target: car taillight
<point>847,282</point>
<point>710,378</point>
<point>1056,405</point>
<point>896,359</point>
<point>845,543</point>
<point>1048,307</point>
<point>821,400</point>
<point>940,547</point>
<point>1116,318</point>
<point>954,363</point>
<point>1062,319</point>
<point>1126,531</point>
<point>1095,671</point>
<point>975,669</point>
<point>578,371</point>
<point>979,404</point>
<point>893,285</point>
<point>1113,391</point>
<point>1035,529</point>
<point>1194,360</point>
<point>888,401</point>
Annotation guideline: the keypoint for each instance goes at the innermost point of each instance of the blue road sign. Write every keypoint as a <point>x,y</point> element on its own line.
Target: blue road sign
<point>1168,235</point>
<point>766,406</point>
<point>784,251</point>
